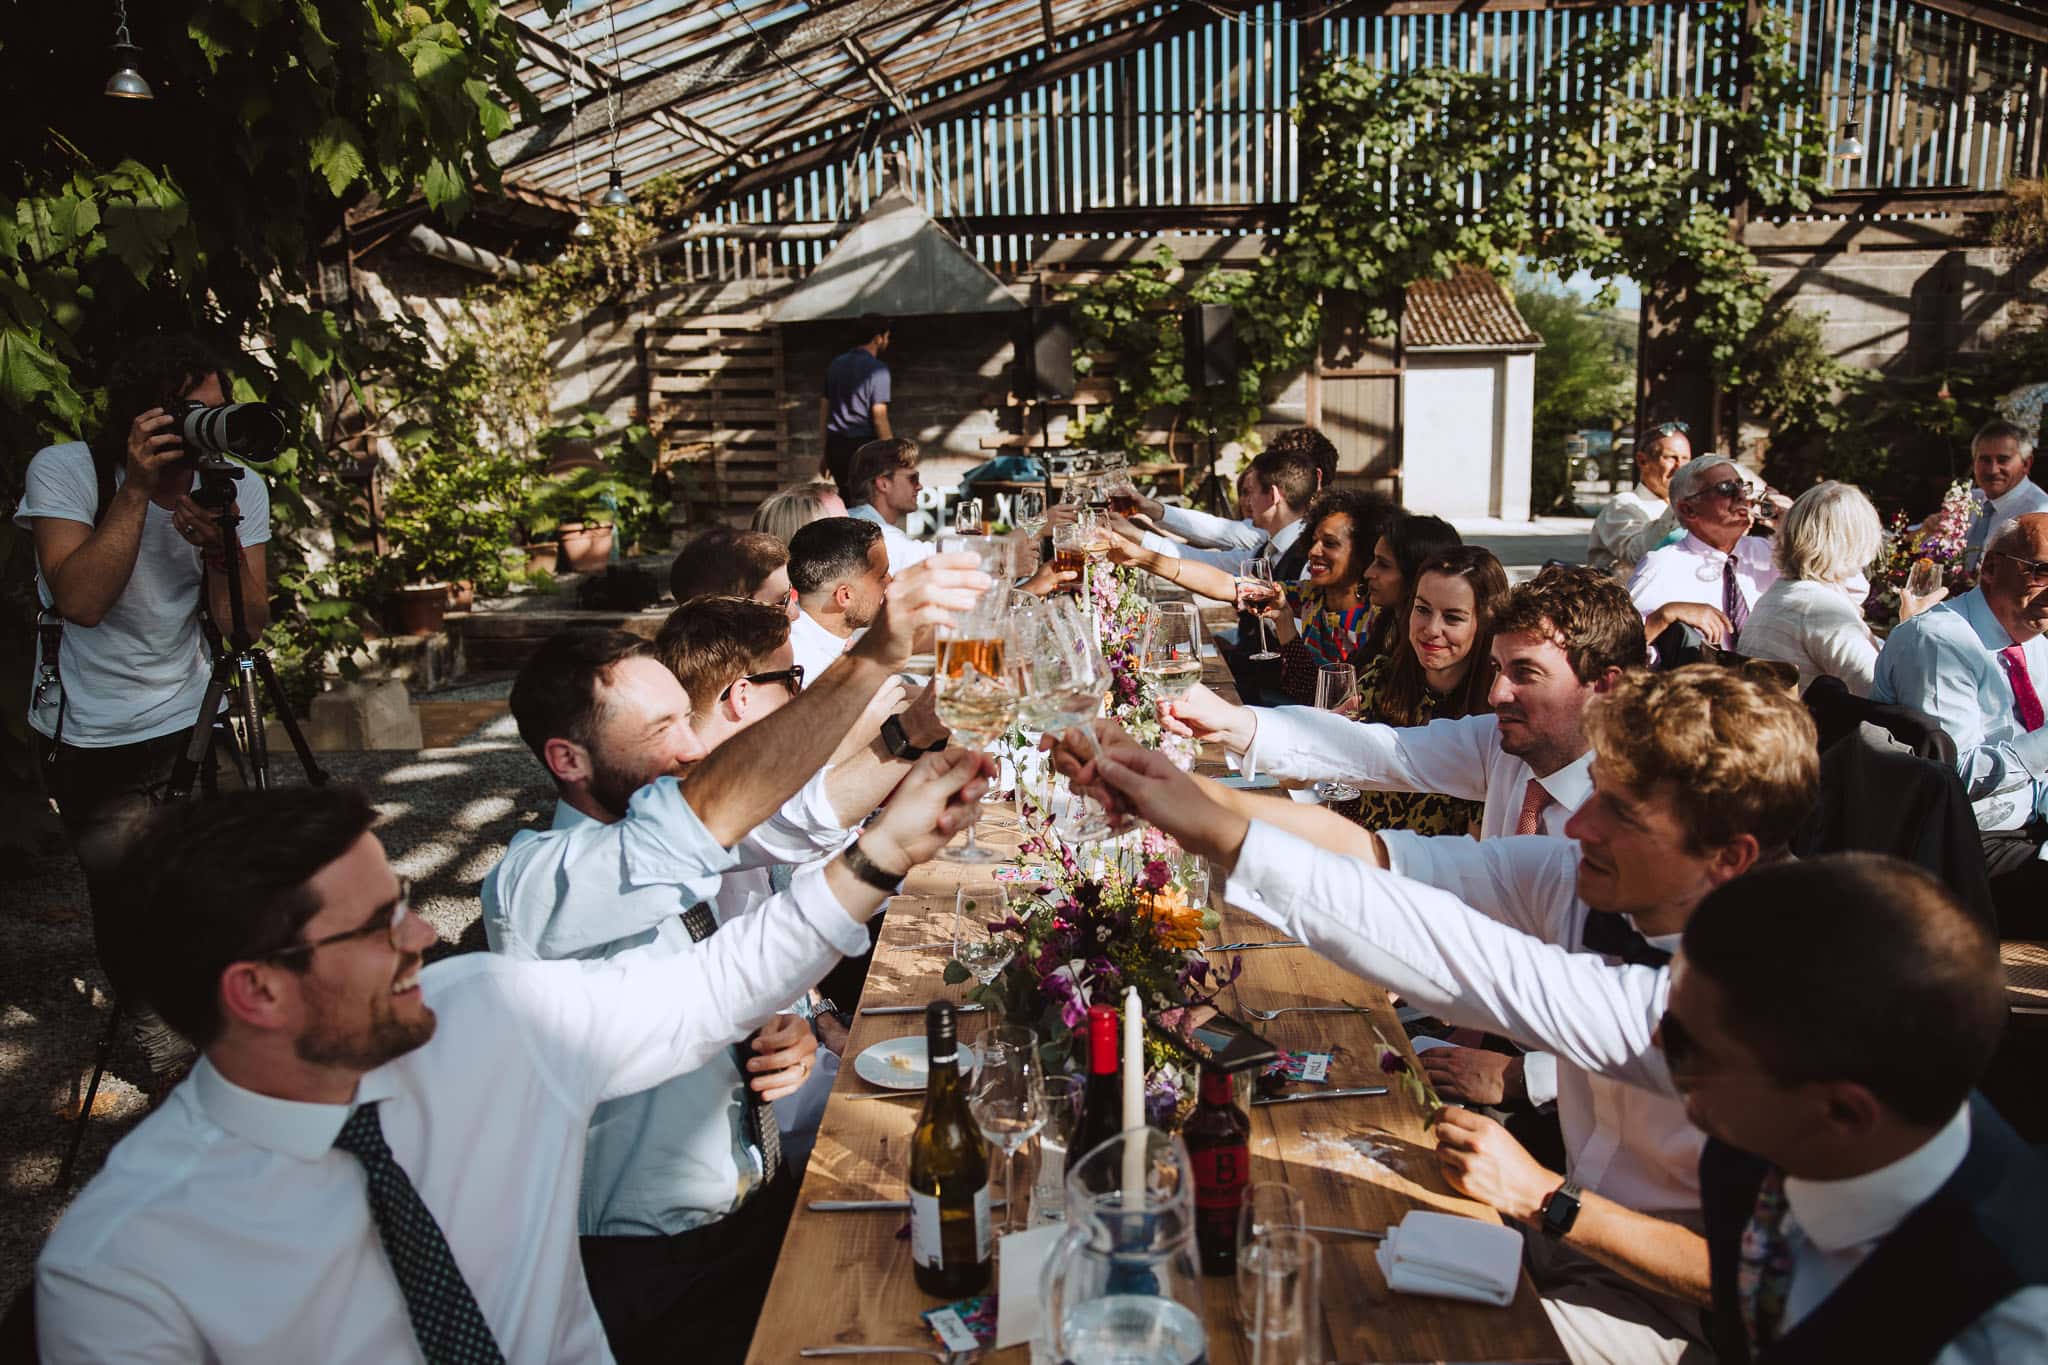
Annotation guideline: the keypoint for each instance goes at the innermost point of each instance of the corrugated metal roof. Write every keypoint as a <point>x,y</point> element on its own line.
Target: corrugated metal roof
<point>1470,309</point>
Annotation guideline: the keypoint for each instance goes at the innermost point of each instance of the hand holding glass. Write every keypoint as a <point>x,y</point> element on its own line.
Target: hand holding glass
<point>1336,689</point>
<point>1260,571</point>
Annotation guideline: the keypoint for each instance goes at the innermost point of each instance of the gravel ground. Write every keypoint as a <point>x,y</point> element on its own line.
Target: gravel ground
<point>447,816</point>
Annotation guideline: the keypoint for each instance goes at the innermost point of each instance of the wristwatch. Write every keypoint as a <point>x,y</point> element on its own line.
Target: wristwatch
<point>898,744</point>
<point>1561,1209</point>
<point>871,872</point>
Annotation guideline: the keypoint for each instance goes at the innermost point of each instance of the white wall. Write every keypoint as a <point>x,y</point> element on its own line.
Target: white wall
<point>1517,436</point>
<point>1466,432</point>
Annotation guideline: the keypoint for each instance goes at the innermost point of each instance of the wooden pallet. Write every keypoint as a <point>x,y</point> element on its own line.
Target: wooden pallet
<point>715,403</point>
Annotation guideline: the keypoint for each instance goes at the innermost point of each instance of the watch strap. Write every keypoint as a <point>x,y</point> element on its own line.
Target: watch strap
<point>871,872</point>
<point>1561,1209</point>
<point>896,742</point>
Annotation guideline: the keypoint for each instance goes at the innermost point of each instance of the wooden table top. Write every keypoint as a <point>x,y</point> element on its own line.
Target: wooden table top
<point>845,1278</point>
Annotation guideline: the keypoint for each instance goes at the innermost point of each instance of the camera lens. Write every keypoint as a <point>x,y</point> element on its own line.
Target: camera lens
<point>250,431</point>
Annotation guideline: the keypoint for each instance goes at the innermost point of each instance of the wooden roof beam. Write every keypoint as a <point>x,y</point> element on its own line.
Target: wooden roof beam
<point>572,65</point>
<point>2020,21</point>
<point>872,69</point>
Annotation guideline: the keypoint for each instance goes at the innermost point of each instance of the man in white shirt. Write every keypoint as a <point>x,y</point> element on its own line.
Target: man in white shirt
<point>1227,544</point>
<point>1832,1018</point>
<point>376,1162</point>
<point>2001,465</point>
<point>1627,528</point>
<point>1979,666</point>
<point>1712,577</point>
<point>1699,776</point>
<point>839,567</point>
<point>882,487</point>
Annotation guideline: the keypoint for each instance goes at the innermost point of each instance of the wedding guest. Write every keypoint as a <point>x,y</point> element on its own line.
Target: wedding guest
<point>782,512</point>
<point>1328,617</point>
<point>2001,468</point>
<point>1631,524</point>
<point>1977,665</point>
<point>1812,617</point>
<point>727,563</point>
<point>1278,486</point>
<point>1828,1022</point>
<point>1712,578</point>
<point>839,568</point>
<point>376,1160</point>
<point>882,487</point>
<point>1405,541</point>
<point>1441,667</point>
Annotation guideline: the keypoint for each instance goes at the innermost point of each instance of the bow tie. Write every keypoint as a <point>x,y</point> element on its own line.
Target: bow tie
<point>1611,936</point>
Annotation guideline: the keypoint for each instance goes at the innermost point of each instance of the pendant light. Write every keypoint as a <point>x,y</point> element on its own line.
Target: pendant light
<point>1849,146</point>
<point>126,83</point>
<point>615,196</point>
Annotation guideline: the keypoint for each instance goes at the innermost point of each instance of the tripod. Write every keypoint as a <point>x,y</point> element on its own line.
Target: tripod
<point>240,665</point>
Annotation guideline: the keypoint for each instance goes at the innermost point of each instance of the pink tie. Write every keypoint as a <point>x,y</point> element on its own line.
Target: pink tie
<point>1534,799</point>
<point>2024,699</point>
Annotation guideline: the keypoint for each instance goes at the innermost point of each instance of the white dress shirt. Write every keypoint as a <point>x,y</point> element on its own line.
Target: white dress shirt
<point>1229,558</point>
<point>1507,970</point>
<point>228,1228</point>
<point>815,647</point>
<point>1208,531</point>
<point>1690,571</point>
<point>1622,533</point>
<point>1460,757</point>
<point>1945,662</point>
<point>1836,1224</point>
<point>2023,497</point>
<point>1818,627</point>
<point>903,551</point>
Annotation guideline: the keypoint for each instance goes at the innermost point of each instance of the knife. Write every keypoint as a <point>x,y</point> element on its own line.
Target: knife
<point>1264,943</point>
<point>1366,1233</point>
<point>917,1009</point>
<point>1352,1093</point>
<point>867,1205</point>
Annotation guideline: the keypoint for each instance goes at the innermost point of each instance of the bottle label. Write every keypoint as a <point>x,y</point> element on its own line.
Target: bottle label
<point>1221,1174</point>
<point>926,1247</point>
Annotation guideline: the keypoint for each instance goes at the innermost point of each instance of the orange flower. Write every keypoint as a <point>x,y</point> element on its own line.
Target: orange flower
<point>1177,923</point>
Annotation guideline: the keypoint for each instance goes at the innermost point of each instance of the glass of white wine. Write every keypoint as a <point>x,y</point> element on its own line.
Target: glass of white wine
<point>1028,513</point>
<point>975,692</point>
<point>1172,647</point>
<point>981,950</point>
<point>1336,689</point>
<point>1067,679</point>
<point>1259,591</point>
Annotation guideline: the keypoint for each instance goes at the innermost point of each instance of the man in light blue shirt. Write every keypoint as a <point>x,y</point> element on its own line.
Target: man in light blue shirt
<point>1979,666</point>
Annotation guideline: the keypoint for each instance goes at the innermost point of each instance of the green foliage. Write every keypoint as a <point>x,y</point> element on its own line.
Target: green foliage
<point>1582,384</point>
<point>628,493</point>
<point>2022,229</point>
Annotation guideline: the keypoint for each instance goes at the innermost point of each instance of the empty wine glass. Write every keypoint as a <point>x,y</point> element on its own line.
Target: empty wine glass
<point>983,951</point>
<point>1336,689</point>
<point>1172,648</point>
<point>1259,590</point>
<point>1062,1118</point>
<point>974,690</point>
<point>1008,1100</point>
<point>1269,1207</point>
<point>1279,1289</point>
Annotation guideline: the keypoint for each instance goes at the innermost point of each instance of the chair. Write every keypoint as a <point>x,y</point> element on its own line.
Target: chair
<point>1838,712</point>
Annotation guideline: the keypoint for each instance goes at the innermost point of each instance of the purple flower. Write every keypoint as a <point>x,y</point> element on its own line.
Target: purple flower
<point>1157,875</point>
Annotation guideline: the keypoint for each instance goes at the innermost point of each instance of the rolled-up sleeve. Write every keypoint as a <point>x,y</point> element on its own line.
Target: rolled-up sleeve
<point>803,828</point>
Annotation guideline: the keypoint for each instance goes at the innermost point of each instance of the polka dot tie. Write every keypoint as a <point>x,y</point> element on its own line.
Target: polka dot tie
<point>449,1326</point>
<point>759,1119</point>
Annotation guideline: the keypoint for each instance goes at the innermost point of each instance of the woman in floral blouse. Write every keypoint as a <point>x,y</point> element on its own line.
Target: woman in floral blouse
<point>1440,666</point>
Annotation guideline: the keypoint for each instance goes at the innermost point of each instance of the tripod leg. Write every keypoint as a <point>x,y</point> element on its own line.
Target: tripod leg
<point>101,1053</point>
<point>315,775</point>
<point>186,770</point>
<point>251,712</point>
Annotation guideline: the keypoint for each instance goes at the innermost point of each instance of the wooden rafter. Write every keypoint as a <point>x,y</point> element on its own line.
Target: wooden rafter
<point>572,65</point>
<point>871,69</point>
<point>2022,21</point>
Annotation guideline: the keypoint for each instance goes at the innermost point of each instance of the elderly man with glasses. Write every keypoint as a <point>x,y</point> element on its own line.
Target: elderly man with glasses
<point>1633,522</point>
<point>1979,665</point>
<point>1712,577</point>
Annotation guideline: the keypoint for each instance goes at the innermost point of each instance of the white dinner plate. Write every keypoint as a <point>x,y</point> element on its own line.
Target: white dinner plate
<point>899,1063</point>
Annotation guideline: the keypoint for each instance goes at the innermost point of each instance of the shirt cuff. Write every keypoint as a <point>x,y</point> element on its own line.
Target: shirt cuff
<point>1407,853</point>
<point>1159,544</point>
<point>2033,752</point>
<point>1539,1076</point>
<point>823,912</point>
<point>810,810</point>
<point>1262,862</point>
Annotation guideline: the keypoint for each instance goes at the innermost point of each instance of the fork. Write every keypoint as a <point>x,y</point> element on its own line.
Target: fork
<point>1297,1009</point>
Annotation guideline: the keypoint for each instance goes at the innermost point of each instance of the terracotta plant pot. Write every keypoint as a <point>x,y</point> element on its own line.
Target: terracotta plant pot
<point>587,548</point>
<point>462,594</point>
<point>542,556</point>
<point>421,607</point>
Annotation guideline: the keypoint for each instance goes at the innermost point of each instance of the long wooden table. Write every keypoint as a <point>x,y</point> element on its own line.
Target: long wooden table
<point>845,1278</point>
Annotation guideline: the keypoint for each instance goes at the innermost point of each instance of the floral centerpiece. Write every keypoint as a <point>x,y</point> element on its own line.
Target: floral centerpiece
<point>1132,912</point>
<point>1942,538</point>
<point>1121,607</point>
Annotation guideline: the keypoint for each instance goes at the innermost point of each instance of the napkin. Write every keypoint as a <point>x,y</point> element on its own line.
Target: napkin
<point>1019,1265</point>
<point>1449,1257</point>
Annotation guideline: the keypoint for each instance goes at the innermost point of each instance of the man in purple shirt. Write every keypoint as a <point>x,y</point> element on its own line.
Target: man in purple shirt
<point>854,408</point>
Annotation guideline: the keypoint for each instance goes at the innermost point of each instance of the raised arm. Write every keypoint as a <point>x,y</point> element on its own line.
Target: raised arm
<point>1192,574</point>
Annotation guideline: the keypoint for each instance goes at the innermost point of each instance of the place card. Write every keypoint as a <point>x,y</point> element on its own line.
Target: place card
<point>1025,874</point>
<point>967,1325</point>
<point>1301,1066</point>
<point>1018,1263</point>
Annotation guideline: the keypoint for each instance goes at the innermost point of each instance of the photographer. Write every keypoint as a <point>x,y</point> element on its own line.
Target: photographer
<point>122,551</point>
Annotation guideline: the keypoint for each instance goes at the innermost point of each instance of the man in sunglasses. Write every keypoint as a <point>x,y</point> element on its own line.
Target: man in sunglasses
<point>1979,665</point>
<point>1631,524</point>
<point>1712,577</point>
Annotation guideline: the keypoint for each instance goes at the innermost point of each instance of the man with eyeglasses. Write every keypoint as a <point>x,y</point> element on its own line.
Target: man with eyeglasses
<point>1979,665</point>
<point>1631,525</point>
<point>1712,577</point>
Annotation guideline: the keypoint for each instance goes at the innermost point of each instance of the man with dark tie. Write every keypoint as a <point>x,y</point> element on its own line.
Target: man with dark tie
<point>1979,665</point>
<point>1710,578</point>
<point>2001,467</point>
<point>1828,1022</point>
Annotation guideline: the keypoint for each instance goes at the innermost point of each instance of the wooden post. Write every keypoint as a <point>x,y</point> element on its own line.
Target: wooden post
<point>1127,131</point>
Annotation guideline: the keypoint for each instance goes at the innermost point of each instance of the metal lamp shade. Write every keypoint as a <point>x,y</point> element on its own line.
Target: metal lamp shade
<point>127,83</point>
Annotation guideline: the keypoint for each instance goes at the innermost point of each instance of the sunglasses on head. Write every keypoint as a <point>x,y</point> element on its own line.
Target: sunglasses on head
<point>1671,428</point>
<point>791,677</point>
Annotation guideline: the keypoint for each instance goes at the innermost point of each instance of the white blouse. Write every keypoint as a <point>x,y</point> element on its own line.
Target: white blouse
<point>1817,626</point>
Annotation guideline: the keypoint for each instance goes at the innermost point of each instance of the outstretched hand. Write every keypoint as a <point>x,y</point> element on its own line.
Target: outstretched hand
<point>937,799</point>
<point>1144,784</point>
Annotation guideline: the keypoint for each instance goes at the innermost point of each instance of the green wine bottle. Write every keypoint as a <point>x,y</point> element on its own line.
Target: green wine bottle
<point>950,1249</point>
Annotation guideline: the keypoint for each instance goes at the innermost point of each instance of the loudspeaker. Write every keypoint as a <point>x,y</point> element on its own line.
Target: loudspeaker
<point>1208,332</point>
<point>1045,354</point>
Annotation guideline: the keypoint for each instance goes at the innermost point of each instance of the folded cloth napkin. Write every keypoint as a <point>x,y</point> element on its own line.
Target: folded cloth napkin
<point>1449,1257</point>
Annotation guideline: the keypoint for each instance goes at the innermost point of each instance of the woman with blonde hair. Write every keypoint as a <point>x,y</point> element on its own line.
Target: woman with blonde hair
<point>1812,617</point>
<point>787,510</point>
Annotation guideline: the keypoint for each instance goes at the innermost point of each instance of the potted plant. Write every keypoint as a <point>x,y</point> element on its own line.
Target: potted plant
<point>600,488</point>
<point>450,514</point>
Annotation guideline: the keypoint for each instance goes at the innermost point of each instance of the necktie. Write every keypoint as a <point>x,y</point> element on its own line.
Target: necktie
<point>1979,524</point>
<point>1611,936</point>
<point>1764,1272</point>
<point>2025,700</point>
<point>1732,605</point>
<point>1534,799</point>
<point>760,1113</point>
<point>449,1326</point>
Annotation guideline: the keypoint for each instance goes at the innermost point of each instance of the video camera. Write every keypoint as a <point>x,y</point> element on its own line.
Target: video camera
<point>249,431</point>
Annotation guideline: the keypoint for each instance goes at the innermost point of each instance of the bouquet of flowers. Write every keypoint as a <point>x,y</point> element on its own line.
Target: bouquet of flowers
<point>1134,914</point>
<point>1941,539</point>
<point>1121,606</point>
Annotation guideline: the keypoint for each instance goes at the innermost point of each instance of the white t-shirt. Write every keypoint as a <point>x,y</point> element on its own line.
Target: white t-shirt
<point>142,671</point>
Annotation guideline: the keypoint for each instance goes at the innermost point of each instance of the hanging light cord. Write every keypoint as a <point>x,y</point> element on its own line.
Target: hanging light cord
<point>121,38</point>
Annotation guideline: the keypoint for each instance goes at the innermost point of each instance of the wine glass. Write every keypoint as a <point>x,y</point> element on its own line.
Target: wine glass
<point>975,693</point>
<point>967,518</point>
<point>1062,1117</point>
<point>1924,578</point>
<point>1279,1290</point>
<point>1336,688</point>
<point>1269,1207</point>
<point>981,950</point>
<point>1008,1100</point>
<point>1068,676</point>
<point>1028,513</point>
<point>1260,590</point>
<point>1172,648</point>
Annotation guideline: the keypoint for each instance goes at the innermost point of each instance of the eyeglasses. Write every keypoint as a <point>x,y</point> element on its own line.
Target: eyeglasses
<point>791,677</point>
<point>1733,489</point>
<point>385,920</point>
<point>2036,570</point>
